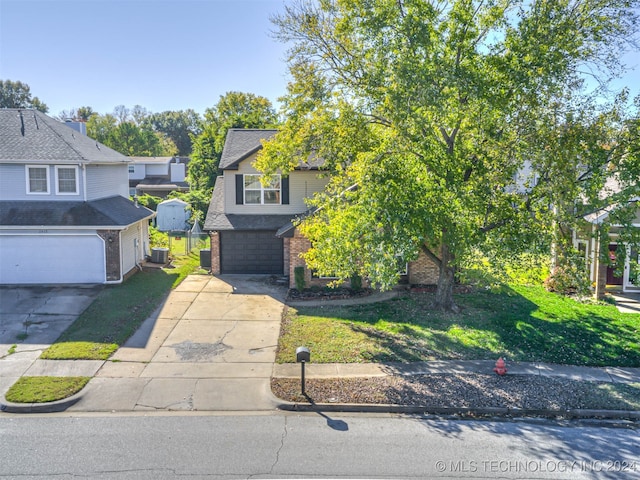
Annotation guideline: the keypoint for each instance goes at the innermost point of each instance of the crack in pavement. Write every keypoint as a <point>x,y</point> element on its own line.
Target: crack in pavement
<point>231,309</point>
<point>282,440</point>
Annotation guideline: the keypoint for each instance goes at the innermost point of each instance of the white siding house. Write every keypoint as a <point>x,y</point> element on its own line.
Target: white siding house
<point>65,215</point>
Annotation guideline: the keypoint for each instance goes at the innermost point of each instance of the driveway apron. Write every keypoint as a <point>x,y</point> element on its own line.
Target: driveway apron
<point>210,346</point>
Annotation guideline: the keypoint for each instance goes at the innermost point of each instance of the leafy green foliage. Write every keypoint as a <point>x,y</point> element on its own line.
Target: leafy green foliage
<point>569,277</point>
<point>298,274</point>
<point>233,110</point>
<point>493,272</point>
<point>18,95</point>
<point>198,201</point>
<point>157,239</point>
<point>442,113</point>
<point>179,126</point>
<point>127,137</point>
<point>149,201</point>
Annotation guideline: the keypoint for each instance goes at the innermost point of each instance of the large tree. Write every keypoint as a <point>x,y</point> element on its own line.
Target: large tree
<point>128,135</point>
<point>426,113</point>
<point>18,95</point>
<point>233,110</point>
<point>180,126</point>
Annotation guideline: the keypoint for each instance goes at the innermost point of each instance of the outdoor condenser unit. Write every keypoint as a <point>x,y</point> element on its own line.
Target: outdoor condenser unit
<point>160,255</point>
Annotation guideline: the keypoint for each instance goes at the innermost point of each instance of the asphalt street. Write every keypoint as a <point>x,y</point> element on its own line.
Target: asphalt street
<point>159,446</point>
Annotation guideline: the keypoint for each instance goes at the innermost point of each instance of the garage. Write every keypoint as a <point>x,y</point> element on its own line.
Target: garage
<point>251,252</point>
<point>51,259</point>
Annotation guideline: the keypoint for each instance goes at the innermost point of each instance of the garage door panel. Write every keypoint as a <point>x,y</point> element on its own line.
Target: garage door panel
<point>251,252</point>
<point>51,259</point>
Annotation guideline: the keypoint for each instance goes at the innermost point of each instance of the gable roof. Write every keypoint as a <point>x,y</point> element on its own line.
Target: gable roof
<point>112,212</point>
<point>31,136</point>
<point>241,143</point>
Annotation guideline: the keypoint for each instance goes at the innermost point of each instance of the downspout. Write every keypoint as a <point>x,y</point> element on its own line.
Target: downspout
<point>84,181</point>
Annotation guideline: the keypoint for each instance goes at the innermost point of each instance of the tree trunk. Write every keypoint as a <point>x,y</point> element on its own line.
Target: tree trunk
<point>446,281</point>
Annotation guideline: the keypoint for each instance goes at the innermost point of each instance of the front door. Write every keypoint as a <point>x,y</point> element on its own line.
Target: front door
<point>612,278</point>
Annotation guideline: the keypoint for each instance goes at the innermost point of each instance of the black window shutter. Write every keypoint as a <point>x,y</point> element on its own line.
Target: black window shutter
<point>239,189</point>
<point>285,190</point>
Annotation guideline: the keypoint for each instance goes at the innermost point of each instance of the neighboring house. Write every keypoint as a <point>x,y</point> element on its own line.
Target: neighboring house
<point>157,176</point>
<point>602,274</point>
<point>250,225</point>
<point>65,215</point>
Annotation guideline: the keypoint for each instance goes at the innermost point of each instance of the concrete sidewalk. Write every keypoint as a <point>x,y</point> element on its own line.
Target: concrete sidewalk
<point>351,370</point>
<point>211,347</point>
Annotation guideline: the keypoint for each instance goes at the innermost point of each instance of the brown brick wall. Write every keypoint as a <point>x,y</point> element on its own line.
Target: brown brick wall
<point>111,253</point>
<point>214,237</point>
<point>423,271</point>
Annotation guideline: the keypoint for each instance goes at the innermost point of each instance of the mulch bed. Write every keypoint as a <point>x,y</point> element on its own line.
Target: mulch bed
<point>459,391</point>
<point>327,294</point>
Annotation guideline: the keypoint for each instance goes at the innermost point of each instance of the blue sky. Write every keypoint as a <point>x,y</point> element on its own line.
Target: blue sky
<point>163,55</point>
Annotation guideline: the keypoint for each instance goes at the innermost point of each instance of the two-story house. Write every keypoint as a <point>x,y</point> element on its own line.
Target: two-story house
<point>250,224</point>
<point>158,176</point>
<point>65,213</point>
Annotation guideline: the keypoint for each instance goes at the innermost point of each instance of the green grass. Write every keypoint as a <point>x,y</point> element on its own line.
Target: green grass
<point>118,311</point>
<point>520,323</point>
<point>44,389</point>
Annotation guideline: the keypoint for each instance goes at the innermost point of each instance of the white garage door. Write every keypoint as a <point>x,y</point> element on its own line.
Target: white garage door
<point>46,259</point>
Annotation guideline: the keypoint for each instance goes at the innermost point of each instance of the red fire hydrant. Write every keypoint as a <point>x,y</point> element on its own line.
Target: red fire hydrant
<point>501,367</point>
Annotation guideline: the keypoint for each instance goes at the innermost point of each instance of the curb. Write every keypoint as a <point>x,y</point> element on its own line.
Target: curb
<point>463,411</point>
<point>46,407</point>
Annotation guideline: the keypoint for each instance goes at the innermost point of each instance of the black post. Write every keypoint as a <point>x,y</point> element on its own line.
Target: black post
<point>302,378</point>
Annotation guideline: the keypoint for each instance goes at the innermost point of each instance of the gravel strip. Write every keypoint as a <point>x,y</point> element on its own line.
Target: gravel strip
<point>464,391</point>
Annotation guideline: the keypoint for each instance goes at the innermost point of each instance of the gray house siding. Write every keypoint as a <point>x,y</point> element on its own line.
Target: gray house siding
<point>13,183</point>
<point>107,180</point>
<point>302,185</point>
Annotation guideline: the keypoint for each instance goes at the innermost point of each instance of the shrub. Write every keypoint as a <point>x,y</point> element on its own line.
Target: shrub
<point>568,279</point>
<point>157,239</point>
<point>298,275</point>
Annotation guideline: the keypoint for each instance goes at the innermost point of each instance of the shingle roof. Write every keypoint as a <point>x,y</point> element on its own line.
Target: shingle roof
<point>217,220</point>
<point>160,184</point>
<point>30,135</point>
<point>110,212</point>
<point>241,143</point>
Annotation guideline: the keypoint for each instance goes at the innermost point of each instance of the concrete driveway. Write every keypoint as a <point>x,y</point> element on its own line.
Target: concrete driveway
<point>210,346</point>
<point>32,318</point>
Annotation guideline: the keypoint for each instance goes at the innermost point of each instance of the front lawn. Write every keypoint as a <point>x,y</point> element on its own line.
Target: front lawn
<point>520,323</point>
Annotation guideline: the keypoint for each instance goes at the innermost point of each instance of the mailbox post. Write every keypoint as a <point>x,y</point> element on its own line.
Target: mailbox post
<point>303,355</point>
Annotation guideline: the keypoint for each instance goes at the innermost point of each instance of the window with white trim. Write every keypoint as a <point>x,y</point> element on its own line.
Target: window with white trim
<point>257,194</point>
<point>37,179</point>
<point>66,180</point>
